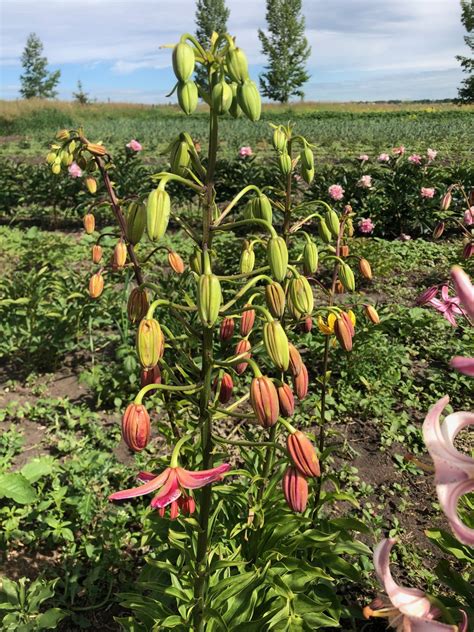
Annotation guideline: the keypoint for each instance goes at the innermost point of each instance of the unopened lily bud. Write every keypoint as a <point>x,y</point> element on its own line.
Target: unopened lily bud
<point>365,269</point>
<point>307,158</point>
<point>296,363</point>
<point>150,376</point>
<point>262,208</point>
<point>349,318</point>
<point>310,258</point>
<point>150,342</point>
<point>276,344</point>
<point>249,100</point>
<point>51,157</point>
<point>135,222</point>
<point>286,400</point>
<point>96,285</point>
<point>183,61</point>
<point>346,277</point>
<point>235,110</point>
<point>247,322</point>
<point>91,184</point>
<point>63,134</point>
<point>96,149</point>
<point>339,287</point>
<point>344,250</point>
<point>307,325</point>
<point>188,96</point>
<point>157,213</point>
<point>285,164</point>
<point>277,255</point>
<point>279,140</point>
<point>295,490</point>
<point>349,226</point>
<point>343,335</point>
<point>247,259</point>
<point>301,295</point>
<point>303,454</point>
<point>227,387</point>
<point>137,305</point>
<point>96,253</point>
<point>439,230</point>
<point>226,330</point>
<point>323,231</point>
<point>195,261</point>
<point>275,299</point>
<point>372,314</point>
<point>301,382</point>
<point>56,168</point>
<point>427,295</point>
<point>180,158</point>
<point>237,65</point>
<point>468,250</point>
<point>89,223</point>
<point>242,347</point>
<point>307,175</point>
<point>446,201</point>
<point>136,427</point>
<point>209,299</point>
<point>264,400</point>
<point>332,221</point>
<point>120,255</point>
<point>175,262</point>
<point>221,97</point>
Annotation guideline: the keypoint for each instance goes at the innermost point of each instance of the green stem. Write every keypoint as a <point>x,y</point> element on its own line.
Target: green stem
<point>256,444</point>
<point>267,464</point>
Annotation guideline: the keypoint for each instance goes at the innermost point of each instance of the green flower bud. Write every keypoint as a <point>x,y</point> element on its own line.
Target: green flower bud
<point>324,231</point>
<point>150,342</point>
<point>277,255</point>
<point>237,65</point>
<point>284,162</point>
<point>187,96</point>
<point>247,258</point>
<point>279,140</point>
<point>209,299</point>
<point>183,61</point>
<point>262,208</point>
<point>307,158</point>
<point>195,261</point>
<point>276,344</point>
<point>157,214</point>
<point>249,100</point>
<point>301,295</point>
<point>136,221</point>
<point>310,258</point>
<point>307,175</point>
<point>346,277</point>
<point>180,158</point>
<point>221,97</point>
<point>332,221</point>
<point>275,299</point>
<point>235,110</point>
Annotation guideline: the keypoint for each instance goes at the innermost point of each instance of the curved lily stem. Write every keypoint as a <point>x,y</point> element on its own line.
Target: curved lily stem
<point>256,444</point>
<point>230,206</point>
<point>245,222</point>
<point>246,288</point>
<point>185,388</point>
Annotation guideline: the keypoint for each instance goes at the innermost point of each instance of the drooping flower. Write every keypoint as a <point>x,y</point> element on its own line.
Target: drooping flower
<point>415,159</point>
<point>171,485</point>
<point>134,145</point>
<point>448,306</point>
<point>431,153</point>
<point>407,609</point>
<point>427,192</point>
<point>245,151</point>
<point>74,170</point>
<point>365,182</point>
<point>464,289</point>
<point>469,216</point>
<point>366,225</point>
<point>327,327</point>
<point>398,151</point>
<point>454,471</point>
<point>336,191</point>
<point>383,158</point>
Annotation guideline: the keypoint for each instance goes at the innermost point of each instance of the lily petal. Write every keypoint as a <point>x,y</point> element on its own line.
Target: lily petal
<point>449,496</point>
<point>463,365</point>
<point>464,289</point>
<point>146,476</point>
<point>169,493</point>
<point>428,625</point>
<point>148,487</point>
<point>194,480</point>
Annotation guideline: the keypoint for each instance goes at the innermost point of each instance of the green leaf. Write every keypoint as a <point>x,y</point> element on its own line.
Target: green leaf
<point>35,469</point>
<point>15,486</point>
<point>8,591</point>
<point>49,619</point>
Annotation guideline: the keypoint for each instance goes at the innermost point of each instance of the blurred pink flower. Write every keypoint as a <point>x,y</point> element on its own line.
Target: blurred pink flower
<point>464,289</point>
<point>463,365</point>
<point>427,192</point>
<point>365,182</point>
<point>398,151</point>
<point>366,225</point>
<point>415,159</point>
<point>134,145</point>
<point>74,170</point>
<point>454,470</point>
<point>336,191</point>
<point>383,158</point>
<point>431,153</point>
<point>469,216</point>
<point>363,157</point>
<point>245,151</point>
<point>447,306</point>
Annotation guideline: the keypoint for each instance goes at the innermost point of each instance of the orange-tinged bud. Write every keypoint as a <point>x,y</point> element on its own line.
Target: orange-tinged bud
<point>295,489</point>
<point>226,330</point>
<point>339,287</point>
<point>63,134</point>
<point>275,299</point>
<point>365,269</point>
<point>303,454</point>
<point>243,347</point>
<point>264,400</point>
<point>91,184</point>
<point>96,149</point>
<point>276,344</point>
<point>175,261</point>
<point>89,223</point>
<point>137,305</point>
<point>136,427</point>
<point>349,319</point>
<point>468,250</point>
<point>307,325</point>
<point>296,363</point>
<point>439,230</point>
<point>150,376</point>
<point>343,334</point>
<point>300,383</point>
<point>96,285</point>
<point>286,400</point>
<point>150,342</point>
<point>96,253</point>
<point>227,386</point>
<point>372,314</point>
<point>446,201</point>
<point>120,255</point>
<point>246,322</point>
<point>344,251</point>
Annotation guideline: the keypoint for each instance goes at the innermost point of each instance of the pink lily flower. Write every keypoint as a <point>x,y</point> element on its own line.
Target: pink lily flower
<point>447,306</point>
<point>454,471</point>
<point>463,365</point>
<point>464,289</point>
<point>407,609</point>
<point>171,485</point>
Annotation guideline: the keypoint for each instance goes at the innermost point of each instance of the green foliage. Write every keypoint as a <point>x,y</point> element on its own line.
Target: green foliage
<point>80,96</point>
<point>22,605</point>
<point>211,16</point>
<point>36,80</point>
<point>466,90</point>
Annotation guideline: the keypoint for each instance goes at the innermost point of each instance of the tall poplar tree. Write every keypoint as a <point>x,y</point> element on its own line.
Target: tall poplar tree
<point>466,90</point>
<point>287,50</point>
<point>36,80</point>
<point>211,15</point>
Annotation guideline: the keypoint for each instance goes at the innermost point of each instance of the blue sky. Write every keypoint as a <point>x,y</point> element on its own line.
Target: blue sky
<point>361,49</point>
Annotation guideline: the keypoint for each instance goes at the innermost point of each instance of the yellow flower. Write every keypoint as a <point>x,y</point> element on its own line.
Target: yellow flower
<point>327,327</point>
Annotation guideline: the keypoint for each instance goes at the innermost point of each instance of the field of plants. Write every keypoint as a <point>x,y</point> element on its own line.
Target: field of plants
<point>153,318</point>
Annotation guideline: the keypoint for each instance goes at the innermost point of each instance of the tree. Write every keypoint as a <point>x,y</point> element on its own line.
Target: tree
<point>36,80</point>
<point>211,15</point>
<point>466,90</point>
<point>287,50</point>
<point>80,96</point>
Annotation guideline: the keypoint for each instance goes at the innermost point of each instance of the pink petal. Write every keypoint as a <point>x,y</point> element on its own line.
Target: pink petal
<point>445,293</point>
<point>428,625</point>
<point>449,496</point>
<point>410,601</point>
<point>463,365</point>
<point>151,486</point>
<point>145,476</point>
<point>437,304</point>
<point>193,480</point>
<point>464,289</point>
<point>448,314</point>
<point>169,493</point>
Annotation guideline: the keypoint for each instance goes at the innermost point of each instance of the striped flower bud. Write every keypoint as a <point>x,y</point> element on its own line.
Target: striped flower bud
<point>275,299</point>
<point>301,382</point>
<point>346,277</point>
<point>426,296</point>
<point>96,285</point>
<point>279,140</point>
<point>96,253</point>
<point>247,258</point>
<point>264,400</point>
<point>221,97</point>
<point>226,388</point>
<point>277,255</point>
<point>137,305</point>
<point>188,96</point>
<point>295,490</point>
<point>307,158</point>
<point>468,250</point>
<point>91,184</point>
<point>292,309</point>
<point>262,208</point>
<point>237,65</point>
<point>286,400</point>
<point>157,213</point>
<point>89,223</point>
<point>120,255</point>
<point>150,342</point>
<point>365,268</point>
<point>439,230</point>
<point>209,299</point>
<point>135,222</point>
<point>195,261</point>
<point>183,61</point>
<point>180,158</point>
<point>226,330</point>
<point>150,376</point>
<point>301,295</point>
<point>446,201</point>
<point>285,164</point>
<point>249,100</point>
<point>247,322</point>
<point>242,347</point>
<point>372,314</point>
<point>307,175</point>
<point>303,454</point>
<point>175,262</point>
<point>96,149</point>
<point>276,344</point>
<point>344,250</point>
<point>296,363</point>
<point>332,222</point>
<point>324,231</point>
<point>136,428</point>
<point>310,258</point>
<point>343,334</point>
<point>235,110</point>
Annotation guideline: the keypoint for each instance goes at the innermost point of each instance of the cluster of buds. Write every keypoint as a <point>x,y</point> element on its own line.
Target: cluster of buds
<point>466,223</point>
<point>282,142</point>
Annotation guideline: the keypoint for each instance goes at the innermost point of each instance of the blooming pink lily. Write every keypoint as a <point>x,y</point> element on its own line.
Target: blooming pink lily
<point>463,365</point>
<point>407,609</point>
<point>171,485</point>
<point>448,306</point>
<point>415,159</point>
<point>464,289</point>
<point>454,471</point>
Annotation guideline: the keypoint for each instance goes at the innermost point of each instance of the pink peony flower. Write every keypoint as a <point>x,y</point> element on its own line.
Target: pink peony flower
<point>427,192</point>
<point>469,216</point>
<point>383,158</point>
<point>398,151</point>
<point>134,145</point>
<point>365,182</point>
<point>336,191</point>
<point>363,158</point>
<point>447,306</point>
<point>366,225</point>
<point>74,170</point>
<point>431,153</point>
<point>415,159</point>
<point>245,151</point>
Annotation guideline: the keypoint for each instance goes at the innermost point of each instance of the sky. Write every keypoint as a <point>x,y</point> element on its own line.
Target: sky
<point>362,50</point>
